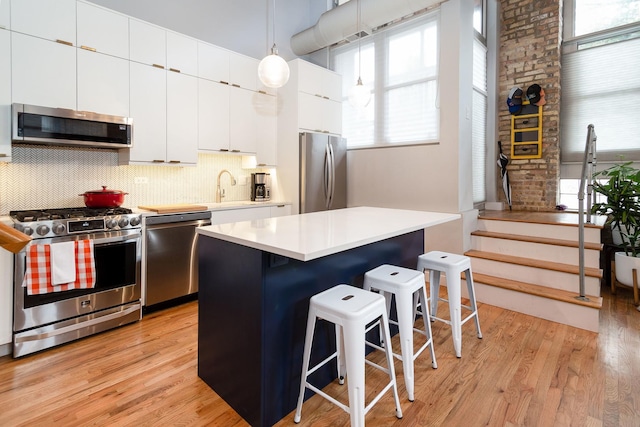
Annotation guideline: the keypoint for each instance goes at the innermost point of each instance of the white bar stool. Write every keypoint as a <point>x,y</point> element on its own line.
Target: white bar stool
<point>403,283</point>
<point>452,265</point>
<point>351,309</point>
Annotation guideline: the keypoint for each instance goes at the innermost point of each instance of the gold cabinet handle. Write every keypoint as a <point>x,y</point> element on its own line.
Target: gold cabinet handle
<point>235,85</point>
<point>175,70</point>
<point>262,92</point>
<point>224,149</point>
<point>174,161</point>
<point>223,82</point>
<point>157,161</point>
<point>64,42</point>
<point>235,151</point>
<point>91,49</point>
<point>318,95</point>
<point>158,66</point>
<point>4,155</point>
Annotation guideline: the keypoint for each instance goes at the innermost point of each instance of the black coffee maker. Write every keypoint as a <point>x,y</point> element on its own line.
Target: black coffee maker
<point>259,190</point>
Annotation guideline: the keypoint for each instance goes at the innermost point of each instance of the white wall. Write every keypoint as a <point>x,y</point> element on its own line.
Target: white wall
<point>239,25</point>
<point>430,177</point>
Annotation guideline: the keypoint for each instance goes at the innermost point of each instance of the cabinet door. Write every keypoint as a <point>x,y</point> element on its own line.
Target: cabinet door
<point>213,115</point>
<point>148,108</point>
<point>332,116</point>
<point>6,297</point>
<point>236,215</point>
<point>5,97</point>
<point>310,78</point>
<point>242,121</point>
<point>280,210</point>
<point>43,72</point>
<point>5,15</point>
<point>243,71</point>
<point>103,83</point>
<point>265,107</point>
<point>51,20</point>
<point>332,85</point>
<point>213,63</point>
<point>182,53</point>
<point>147,43</point>
<point>182,118</point>
<point>103,31</point>
<point>310,112</point>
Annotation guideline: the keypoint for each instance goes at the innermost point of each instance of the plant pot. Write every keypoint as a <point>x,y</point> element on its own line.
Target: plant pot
<point>624,268</point>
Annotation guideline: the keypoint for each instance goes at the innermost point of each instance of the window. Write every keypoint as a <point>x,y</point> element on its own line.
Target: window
<point>479,121</point>
<point>400,66</point>
<point>600,79</point>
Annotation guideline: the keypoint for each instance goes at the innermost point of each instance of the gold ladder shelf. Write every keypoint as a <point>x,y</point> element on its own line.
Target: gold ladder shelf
<point>526,132</point>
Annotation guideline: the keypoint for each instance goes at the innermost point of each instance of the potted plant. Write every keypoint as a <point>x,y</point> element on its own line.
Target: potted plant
<point>620,187</point>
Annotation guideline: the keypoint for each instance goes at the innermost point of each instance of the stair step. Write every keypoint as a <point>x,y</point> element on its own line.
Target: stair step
<point>541,240</point>
<point>536,263</point>
<point>550,218</point>
<point>541,291</point>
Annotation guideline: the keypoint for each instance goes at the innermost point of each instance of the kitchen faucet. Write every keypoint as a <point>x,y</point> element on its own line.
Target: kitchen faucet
<point>219,195</point>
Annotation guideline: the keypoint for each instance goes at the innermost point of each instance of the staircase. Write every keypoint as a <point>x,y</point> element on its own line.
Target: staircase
<point>528,262</point>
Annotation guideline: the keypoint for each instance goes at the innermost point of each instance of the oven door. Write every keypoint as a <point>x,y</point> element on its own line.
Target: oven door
<point>117,257</point>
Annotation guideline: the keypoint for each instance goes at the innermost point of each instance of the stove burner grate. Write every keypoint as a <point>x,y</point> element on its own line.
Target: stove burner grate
<point>66,213</point>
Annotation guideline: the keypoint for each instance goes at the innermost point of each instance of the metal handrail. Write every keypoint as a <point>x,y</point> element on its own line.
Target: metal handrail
<point>586,178</point>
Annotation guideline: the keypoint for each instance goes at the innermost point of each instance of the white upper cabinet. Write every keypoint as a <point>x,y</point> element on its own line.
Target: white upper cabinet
<point>182,119</point>
<point>103,83</point>
<point>5,14</point>
<point>243,71</point>
<point>5,98</point>
<point>182,54</point>
<point>266,108</point>
<point>147,43</point>
<point>243,133</point>
<point>51,20</point>
<point>43,73</point>
<point>101,30</point>
<point>149,113</point>
<point>213,115</point>
<point>213,63</point>
<point>319,81</point>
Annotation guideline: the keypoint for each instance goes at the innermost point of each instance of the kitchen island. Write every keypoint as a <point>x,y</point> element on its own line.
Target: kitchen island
<point>255,282</point>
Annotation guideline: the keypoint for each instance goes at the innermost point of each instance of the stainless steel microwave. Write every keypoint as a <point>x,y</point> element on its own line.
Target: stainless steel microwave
<point>58,126</point>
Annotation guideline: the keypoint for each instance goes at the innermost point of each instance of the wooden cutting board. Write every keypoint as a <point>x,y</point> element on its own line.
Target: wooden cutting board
<point>161,209</point>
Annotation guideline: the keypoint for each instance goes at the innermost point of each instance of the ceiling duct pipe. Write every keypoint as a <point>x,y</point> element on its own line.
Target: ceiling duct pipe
<point>341,23</point>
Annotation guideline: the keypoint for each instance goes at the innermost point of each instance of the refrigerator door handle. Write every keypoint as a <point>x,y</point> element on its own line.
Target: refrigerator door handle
<point>326,181</point>
<point>332,176</point>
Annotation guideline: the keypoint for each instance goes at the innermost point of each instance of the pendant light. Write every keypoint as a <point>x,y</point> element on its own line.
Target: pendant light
<point>273,71</point>
<point>359,95</point>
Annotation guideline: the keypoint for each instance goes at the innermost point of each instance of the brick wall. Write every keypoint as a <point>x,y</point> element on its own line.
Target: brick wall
<point>530,36</point>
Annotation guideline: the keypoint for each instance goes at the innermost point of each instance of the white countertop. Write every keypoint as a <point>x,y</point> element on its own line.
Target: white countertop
<point>308,236</point>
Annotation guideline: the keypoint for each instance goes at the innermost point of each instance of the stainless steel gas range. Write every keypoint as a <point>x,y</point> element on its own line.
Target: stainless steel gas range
<point>44,320</point>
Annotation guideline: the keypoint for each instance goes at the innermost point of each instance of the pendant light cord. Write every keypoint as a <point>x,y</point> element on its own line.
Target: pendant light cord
<point>273,22</point>
<point>359,44</point>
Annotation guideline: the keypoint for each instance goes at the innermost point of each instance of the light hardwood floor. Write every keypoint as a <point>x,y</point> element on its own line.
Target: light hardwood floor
<point>525,372</point>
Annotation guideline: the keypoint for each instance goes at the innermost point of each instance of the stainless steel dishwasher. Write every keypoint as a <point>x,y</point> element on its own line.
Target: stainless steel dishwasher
<point>171,259</point>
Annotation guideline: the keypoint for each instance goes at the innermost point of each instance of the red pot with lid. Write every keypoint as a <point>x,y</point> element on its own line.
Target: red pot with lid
<point>103,198</point>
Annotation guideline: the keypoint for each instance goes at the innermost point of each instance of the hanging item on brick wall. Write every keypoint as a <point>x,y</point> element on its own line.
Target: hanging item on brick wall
<point>514,101</point>
<point>535,95</point>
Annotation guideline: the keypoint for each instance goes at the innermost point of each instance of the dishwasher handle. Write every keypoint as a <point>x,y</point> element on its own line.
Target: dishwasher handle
<point>190,217</point>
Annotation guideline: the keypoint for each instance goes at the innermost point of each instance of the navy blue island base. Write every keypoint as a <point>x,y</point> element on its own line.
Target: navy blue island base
<point>252,314</point>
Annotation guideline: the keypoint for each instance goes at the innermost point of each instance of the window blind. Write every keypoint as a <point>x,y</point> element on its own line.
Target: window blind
<point>479,122</point>
<point>601,86</point>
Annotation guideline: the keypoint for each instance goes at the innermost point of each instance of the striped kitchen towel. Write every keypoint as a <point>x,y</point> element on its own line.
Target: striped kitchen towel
<point>37,278</point>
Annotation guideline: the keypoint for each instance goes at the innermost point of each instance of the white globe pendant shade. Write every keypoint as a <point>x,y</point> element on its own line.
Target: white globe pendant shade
<point>359,95</point>
<point>273,71</point>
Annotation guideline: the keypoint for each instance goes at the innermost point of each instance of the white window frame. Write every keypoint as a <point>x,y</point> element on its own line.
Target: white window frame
<point>378,108</point>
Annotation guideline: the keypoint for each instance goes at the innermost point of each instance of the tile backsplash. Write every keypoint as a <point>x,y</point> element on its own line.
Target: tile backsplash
<point>54,177</point>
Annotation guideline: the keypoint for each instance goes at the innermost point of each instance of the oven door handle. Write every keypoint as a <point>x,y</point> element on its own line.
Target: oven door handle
<point>117,239</point>
<point>76,326</point>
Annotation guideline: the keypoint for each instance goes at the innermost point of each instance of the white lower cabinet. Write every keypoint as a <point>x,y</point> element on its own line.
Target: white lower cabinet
<point>280,210</point>
<point>43,72</point>
<point>236,215</point>
<point>6,297</point>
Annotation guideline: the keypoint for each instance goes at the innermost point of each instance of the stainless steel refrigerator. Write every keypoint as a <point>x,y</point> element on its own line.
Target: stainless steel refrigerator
<point>323,172</point>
